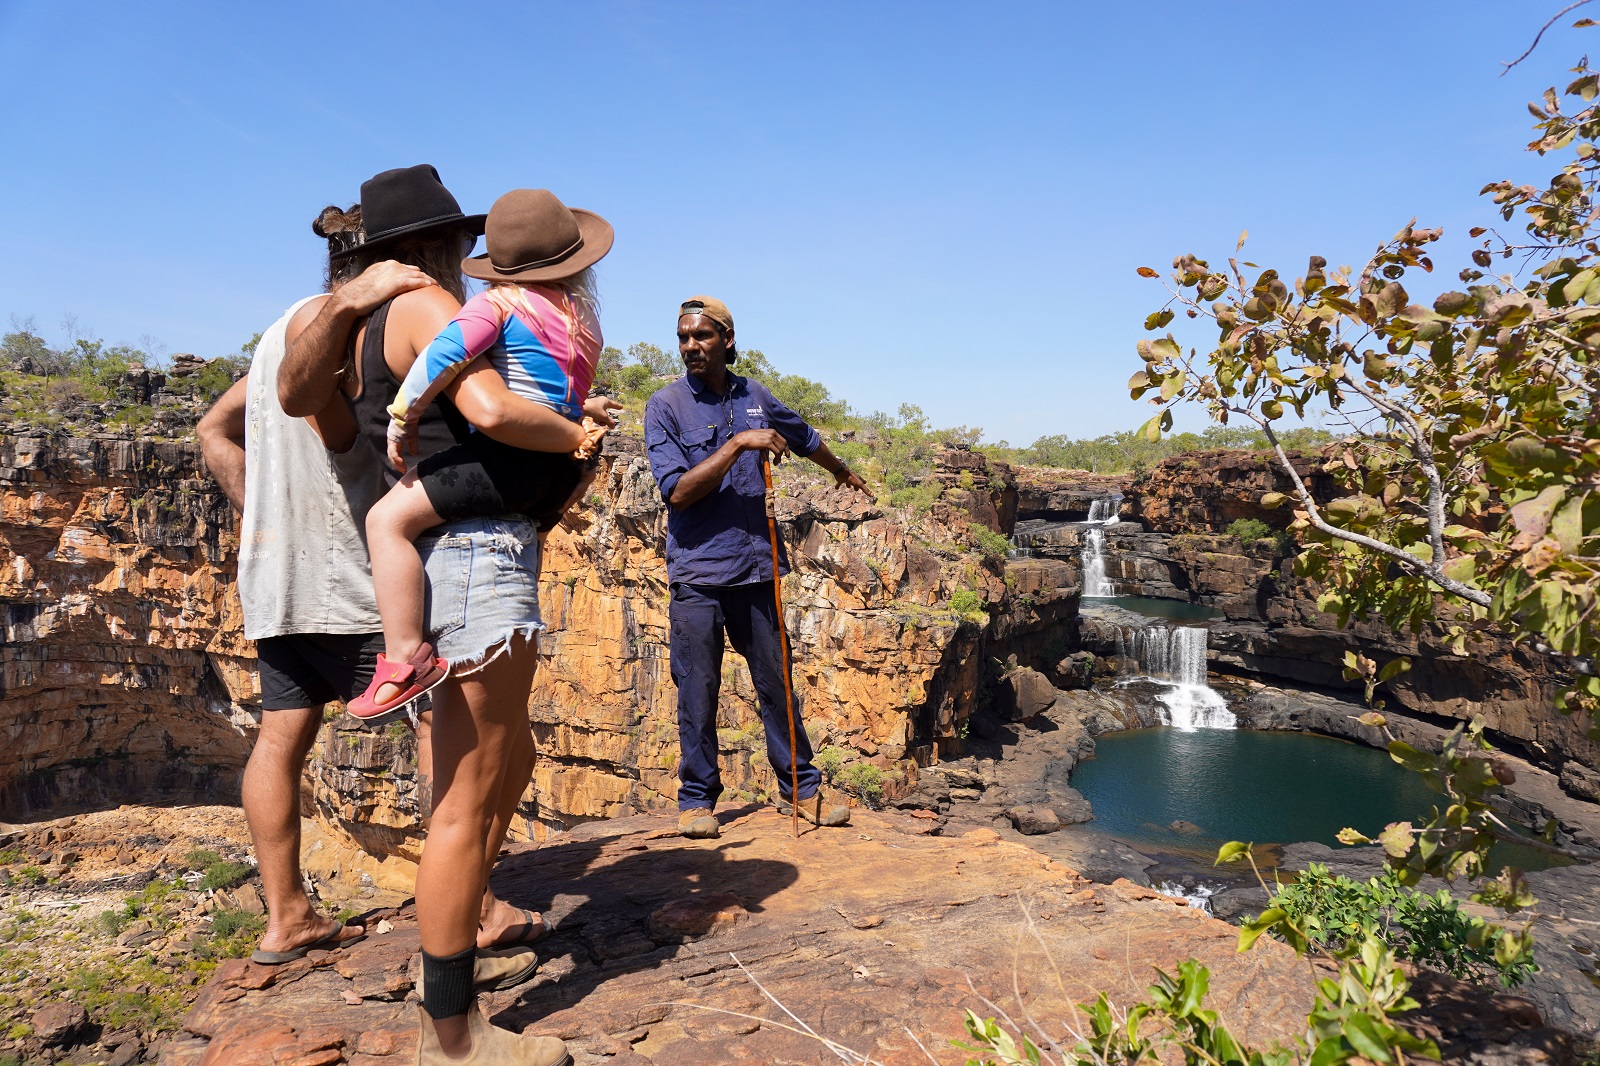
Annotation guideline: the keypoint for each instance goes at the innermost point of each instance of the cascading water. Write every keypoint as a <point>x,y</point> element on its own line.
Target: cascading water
<point>1105,510</point>
<point>1199,896</point>
<point>1177,656</point>
<point>1102,513</point>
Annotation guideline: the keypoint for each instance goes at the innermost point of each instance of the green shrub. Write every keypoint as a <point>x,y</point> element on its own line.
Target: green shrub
<point>112,922</point>
<point>969,605</point>
<point>10,856</point>
<point>226,923</point>
<point>226,874</point>
<point>989,540</point>
<point>1429,929</point>
<point>829,761</point>
<point>1250,530</point>
<point>31,875</point>
<point>863,779</point>
<point>200,859</point>
<point>916,497</point>
<point>137,994</point>
<point>216,377</point>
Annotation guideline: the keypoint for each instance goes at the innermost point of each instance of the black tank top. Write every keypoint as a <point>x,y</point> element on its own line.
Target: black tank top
<point>441,425</point>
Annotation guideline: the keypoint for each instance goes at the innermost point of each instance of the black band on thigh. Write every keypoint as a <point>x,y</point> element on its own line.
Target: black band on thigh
<point>447,984</point>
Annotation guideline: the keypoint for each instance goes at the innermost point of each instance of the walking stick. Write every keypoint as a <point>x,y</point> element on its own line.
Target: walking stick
<point>783,640</point>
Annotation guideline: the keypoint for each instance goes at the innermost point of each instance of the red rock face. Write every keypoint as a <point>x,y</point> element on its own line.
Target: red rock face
<point>125,678</point>
<point>883,669</point>
<point>122,671</point>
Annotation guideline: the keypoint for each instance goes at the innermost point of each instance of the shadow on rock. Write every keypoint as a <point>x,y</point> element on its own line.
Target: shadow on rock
<point>616,906</point>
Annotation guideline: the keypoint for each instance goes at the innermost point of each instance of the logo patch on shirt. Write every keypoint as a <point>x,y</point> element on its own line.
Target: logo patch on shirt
<point>754,411</point>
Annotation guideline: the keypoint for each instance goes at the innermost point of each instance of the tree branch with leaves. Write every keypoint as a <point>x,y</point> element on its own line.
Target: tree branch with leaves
<point>1471,473</point>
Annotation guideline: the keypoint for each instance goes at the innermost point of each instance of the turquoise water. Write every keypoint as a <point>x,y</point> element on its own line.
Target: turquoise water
<point>1241,784</point>
<point>1171,610</point>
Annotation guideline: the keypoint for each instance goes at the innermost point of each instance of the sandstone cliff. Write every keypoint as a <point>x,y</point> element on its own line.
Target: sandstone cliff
<point>885,671</point>
<point>122,671</point>
<point>125,678</point>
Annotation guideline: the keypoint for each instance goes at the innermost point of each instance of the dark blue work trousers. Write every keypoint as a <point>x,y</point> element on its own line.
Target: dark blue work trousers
<point>700,614</point>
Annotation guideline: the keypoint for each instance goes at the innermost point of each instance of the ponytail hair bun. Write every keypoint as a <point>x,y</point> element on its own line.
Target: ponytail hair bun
<point>333,223</point>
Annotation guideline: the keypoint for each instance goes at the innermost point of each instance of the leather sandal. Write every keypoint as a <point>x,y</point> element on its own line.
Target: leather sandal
<point>422,673</point>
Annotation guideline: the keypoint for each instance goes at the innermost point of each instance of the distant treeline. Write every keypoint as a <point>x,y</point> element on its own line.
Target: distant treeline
<point>1116,453</point>
<point>635,374</point>
<point>85,367</point>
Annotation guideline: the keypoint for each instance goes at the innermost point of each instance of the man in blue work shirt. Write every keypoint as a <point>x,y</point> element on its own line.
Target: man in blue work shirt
<point>706,433</point>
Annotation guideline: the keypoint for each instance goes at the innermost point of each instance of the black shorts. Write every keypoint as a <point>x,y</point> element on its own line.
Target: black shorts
<point>482,478</point>
<point>310,669</point>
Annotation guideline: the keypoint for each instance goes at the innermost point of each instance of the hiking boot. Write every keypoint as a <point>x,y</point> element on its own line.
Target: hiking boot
<point>493,969</point>
<point>698,823</point>
<point>815,810</point>
<point>491,1045</point>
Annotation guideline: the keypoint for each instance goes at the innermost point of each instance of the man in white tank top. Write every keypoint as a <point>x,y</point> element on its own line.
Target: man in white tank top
<point>305,587</point>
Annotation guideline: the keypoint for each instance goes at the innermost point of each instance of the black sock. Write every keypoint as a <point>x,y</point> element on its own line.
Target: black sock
<point>447,984</point>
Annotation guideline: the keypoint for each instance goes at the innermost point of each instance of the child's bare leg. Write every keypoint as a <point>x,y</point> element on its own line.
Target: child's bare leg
<point>393,525</point>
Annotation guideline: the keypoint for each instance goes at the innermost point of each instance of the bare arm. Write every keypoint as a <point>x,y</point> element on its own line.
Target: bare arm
<point>842,474</point>
<point>319,333</point>
<point>705,476</point>
<point>221,434</point>
<point>481,395</point>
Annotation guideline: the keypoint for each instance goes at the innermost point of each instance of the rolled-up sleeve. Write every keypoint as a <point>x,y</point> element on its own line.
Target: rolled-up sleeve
<point>668,459</point>
<point>797,431</point>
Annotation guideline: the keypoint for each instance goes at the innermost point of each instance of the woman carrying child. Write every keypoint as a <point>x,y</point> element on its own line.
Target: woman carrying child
<point>453,536</point>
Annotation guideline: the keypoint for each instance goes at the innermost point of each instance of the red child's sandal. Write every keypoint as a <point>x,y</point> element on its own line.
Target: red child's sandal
<point>421,673</point>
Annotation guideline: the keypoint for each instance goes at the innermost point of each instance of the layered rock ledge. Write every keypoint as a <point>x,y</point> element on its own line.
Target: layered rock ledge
<point>877,937</point>
<point>868,934</point>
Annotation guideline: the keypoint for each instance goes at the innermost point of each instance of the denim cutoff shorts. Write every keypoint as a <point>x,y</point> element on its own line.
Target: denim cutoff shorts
<point>483,587</point>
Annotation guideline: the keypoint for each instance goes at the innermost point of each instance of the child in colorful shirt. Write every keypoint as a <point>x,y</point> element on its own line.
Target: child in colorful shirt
<point>540,329</point>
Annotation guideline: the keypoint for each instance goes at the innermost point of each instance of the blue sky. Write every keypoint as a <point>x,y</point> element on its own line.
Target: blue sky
<point>941,204</point>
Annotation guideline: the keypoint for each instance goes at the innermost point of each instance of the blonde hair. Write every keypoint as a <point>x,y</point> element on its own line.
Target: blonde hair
<point>578,288</point>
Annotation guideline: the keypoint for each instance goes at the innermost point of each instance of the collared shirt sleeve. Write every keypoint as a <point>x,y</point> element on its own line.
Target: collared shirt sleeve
<point>669,460</point>
<point>801,437</point>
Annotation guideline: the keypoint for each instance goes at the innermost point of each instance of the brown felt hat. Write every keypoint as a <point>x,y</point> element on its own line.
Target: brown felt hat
<point>533,236</point>
<point>710,306</point>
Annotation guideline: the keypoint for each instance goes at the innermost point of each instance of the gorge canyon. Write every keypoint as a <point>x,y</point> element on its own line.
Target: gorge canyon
<point>124,678</point>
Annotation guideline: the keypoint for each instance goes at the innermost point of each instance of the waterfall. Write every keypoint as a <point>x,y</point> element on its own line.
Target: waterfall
<point>1102,513</point>
<point>1177,656</point>
<point>1199,896</point>
<point>1104,510</point>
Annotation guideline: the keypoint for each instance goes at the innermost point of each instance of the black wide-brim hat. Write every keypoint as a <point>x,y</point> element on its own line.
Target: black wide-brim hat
<point>408,202</point>
<point>533,236</point>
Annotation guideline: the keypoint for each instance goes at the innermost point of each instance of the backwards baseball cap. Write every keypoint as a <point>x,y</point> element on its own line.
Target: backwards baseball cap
<point>711,307</point>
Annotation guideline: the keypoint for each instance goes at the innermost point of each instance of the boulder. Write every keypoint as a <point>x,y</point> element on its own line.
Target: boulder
<point>1026,692</point>
<point>60,1024</point>
<point>1580,781</point>
<point>1034,820</point>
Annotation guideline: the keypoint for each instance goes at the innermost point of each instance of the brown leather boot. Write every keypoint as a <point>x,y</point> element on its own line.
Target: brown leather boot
<point>493,969</point>
<point>698,824</point>
<point>491,1045</point>
<point>818,811</point>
